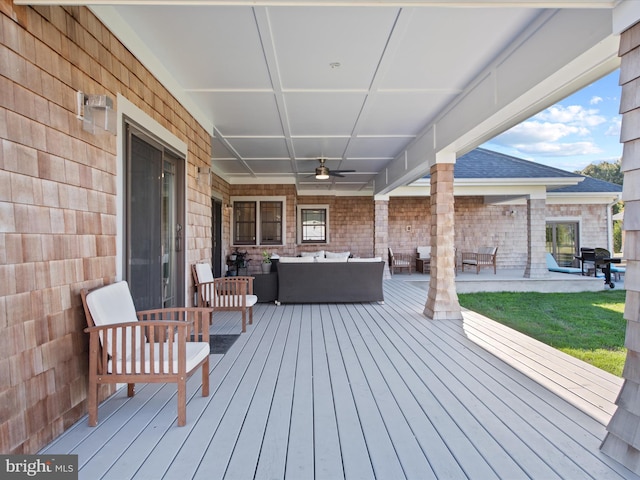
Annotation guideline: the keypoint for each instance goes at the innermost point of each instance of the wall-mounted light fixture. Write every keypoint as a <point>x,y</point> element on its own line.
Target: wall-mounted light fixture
<point>97,113</point>
<point>206,173</point>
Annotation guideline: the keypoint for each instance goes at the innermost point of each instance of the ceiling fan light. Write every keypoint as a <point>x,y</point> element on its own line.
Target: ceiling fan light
<point>322,173</point>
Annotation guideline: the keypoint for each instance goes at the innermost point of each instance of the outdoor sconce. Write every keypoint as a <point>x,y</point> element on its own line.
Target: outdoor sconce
<point>97,113</point>
<point>204,172</point>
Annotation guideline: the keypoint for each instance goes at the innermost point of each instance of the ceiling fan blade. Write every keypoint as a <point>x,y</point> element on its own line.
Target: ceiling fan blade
<point>343,171</point>
<point>334,173</point>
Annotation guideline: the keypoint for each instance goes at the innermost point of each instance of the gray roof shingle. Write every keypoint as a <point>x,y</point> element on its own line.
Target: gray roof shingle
<point>486,164</point>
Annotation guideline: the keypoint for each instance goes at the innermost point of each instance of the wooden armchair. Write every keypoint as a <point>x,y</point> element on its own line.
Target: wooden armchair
<point>400,261</point>
<point>484,257</point>
<point>225,293</point>
<point>165,345</point>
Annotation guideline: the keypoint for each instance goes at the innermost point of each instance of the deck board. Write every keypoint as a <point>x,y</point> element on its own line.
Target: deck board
<point>362,391</point>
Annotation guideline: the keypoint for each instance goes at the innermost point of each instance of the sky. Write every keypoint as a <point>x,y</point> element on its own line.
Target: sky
<point>583,128</point>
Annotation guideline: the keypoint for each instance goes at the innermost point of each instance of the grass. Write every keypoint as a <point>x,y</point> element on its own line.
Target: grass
<point>587,325</point>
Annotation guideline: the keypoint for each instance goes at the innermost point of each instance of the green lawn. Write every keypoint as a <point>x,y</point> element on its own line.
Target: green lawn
<point>587,325</point>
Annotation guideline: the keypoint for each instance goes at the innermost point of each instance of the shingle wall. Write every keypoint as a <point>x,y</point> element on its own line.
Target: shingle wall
<point>623,438</point>
<point>58,206</point>
<point>351,222</point>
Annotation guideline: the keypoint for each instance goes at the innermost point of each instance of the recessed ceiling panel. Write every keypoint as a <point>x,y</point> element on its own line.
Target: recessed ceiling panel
<point>246,113</point>
<point>203,47</point>
<point>260,148</point>
<point>401,113</point>
<point>220,150</point>
<point>310,41</point>
<point>446,47</point>
<point>323,113</point>
<point>232,167</point>
<point>365,164</point>
<point>377,146</point>
<point>282,167</point>
<point>319,147</point>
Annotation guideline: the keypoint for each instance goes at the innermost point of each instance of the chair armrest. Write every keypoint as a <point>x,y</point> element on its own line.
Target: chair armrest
<point>200,317</point>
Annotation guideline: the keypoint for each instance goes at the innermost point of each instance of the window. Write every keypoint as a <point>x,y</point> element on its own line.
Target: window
<point>258,221</point>
<point>313,224</point>
<point>562,241</point>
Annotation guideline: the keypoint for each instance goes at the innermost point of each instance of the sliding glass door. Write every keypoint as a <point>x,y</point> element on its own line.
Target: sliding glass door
<point>154,227</point>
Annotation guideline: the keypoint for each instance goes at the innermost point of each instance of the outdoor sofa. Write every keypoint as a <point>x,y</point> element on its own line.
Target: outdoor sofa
<point>330,280</point>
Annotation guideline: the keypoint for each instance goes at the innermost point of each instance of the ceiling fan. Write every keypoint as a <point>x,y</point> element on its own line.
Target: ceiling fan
<point>323,172</point>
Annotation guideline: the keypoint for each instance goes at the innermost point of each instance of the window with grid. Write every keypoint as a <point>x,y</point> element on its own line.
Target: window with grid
<point>258,221</point>
<point>313,224</point>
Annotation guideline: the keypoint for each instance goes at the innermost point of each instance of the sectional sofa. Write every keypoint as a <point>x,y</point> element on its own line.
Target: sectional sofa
<point>315,279</point>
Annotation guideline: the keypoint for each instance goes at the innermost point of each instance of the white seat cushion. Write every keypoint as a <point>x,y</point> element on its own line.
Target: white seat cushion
<point>365,260</point>
<point>196,352</point>
<point>230,300</point>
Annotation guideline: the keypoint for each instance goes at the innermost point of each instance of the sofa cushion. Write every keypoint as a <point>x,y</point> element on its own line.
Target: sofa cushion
<point>344,255</point>
<point>319,253</point>
<point>297,259</point>
<point>332,259</point>
<point>365,260</point>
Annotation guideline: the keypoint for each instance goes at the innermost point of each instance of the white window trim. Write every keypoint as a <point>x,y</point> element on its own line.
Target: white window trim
<point>324,207</point>
<point>258,200</point>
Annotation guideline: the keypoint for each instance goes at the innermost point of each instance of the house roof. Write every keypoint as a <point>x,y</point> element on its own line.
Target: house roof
<point>485,172</point>
<point>483,164</point>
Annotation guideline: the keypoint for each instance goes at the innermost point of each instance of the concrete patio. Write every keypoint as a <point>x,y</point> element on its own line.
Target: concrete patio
<point>363,391</point>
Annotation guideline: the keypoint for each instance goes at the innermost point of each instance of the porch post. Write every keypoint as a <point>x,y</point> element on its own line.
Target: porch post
<point>536,237</point>
<point>381,231</point>
<point>622,441</point>
<point>442,298</point>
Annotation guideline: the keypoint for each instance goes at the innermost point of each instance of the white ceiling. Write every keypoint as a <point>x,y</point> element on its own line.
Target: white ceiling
<point>261,76</point>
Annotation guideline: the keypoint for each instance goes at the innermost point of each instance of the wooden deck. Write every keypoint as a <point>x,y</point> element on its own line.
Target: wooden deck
<point>362,391</point>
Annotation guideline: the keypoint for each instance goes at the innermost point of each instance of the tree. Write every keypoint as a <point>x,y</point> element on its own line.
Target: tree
<point>608,171</point>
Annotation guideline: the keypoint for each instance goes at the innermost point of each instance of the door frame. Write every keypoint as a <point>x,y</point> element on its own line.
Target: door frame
<point>128,112</point>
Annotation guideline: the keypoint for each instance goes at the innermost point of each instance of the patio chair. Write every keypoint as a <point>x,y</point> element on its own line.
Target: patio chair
<point>155,346</point>
<point>484,257</point>
<point>553,266</point>
<point>400,261</point>
<point>224,293</point>
<point>423,261</point>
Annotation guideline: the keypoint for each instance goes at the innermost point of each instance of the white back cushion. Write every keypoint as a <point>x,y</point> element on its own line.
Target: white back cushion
<point>337,255</point>
<point>204,272</point>
<point>297,259</point>
<point>319,253</point>
<point>332,260</point>
<point>424,252</point>
<point>112,304</point>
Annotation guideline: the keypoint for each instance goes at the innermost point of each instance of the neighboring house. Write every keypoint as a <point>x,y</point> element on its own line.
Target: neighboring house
<point>490,191</point>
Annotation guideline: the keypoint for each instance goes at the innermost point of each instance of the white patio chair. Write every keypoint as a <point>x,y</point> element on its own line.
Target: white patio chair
<point>224,293</point>
<point>155,346</point>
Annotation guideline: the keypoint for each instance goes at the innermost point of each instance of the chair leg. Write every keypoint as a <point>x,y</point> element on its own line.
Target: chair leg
<point>92,404</point>
<point>131,389</point>
<point>182,402</point>
<point>250,315</point>
<point>244,321</point>
<point>205,378</point>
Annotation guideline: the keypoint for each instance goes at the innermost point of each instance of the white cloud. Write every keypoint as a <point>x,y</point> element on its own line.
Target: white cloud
<point>595,100</point>
<point>575,115</point>
<point>615,125</point>
<point>548,149</point>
